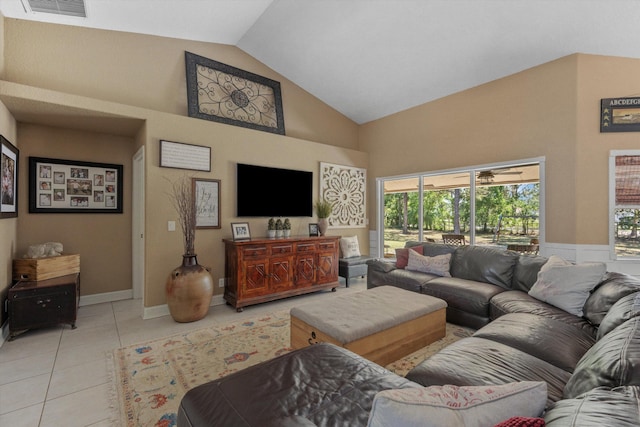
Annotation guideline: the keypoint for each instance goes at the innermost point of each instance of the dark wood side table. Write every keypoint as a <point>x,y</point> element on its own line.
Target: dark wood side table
<point>34,304</point>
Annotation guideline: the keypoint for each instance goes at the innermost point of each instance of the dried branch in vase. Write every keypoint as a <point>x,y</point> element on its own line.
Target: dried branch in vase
<point>183,201</point>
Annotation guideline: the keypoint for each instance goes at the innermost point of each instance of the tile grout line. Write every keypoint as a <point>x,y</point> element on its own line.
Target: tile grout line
<point>46,394</point>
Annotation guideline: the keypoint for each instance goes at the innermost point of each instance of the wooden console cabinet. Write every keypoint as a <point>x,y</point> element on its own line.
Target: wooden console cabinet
<point>260,270</point>
<point>37,303</point>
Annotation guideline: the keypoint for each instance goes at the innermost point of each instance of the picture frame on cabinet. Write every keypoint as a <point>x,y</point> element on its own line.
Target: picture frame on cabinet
<point>9,160</point>
<point>240,231</point>
<point>313,230</point>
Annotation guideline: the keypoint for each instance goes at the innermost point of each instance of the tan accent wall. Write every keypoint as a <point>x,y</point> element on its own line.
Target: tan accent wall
<point>551,110</point>
<point>102,240</point>
<point>149,72</point>
<point>8,226</point>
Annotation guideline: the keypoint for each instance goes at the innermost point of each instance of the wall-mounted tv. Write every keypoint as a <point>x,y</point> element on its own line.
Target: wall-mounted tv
<point>268,191</point>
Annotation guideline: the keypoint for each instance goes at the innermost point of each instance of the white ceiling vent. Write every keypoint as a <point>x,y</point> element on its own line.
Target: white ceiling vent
<point>59,7</point>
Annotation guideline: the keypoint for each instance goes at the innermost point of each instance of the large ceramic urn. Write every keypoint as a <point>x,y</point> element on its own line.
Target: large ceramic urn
<point>189,290</point>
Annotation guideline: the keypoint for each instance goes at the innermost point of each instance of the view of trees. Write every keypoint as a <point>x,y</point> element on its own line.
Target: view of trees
<point>511,208</point>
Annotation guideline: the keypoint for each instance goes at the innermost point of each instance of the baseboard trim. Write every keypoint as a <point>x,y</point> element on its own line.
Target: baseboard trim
<point>106,297</point>
<point>163,310</point>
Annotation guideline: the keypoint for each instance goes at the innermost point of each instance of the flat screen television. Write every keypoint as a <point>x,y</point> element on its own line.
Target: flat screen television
<point>268,191</point>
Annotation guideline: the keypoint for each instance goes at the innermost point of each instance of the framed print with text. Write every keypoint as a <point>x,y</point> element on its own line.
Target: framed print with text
<point>206,196</point>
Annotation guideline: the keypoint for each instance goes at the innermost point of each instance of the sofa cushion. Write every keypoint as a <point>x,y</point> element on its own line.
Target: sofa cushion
<point>521,302</point>
<point>626,308</point>
<point>400,278</point>
<point>482,264</point>
<point>438,265</point>
<point>601,406</point>
<point>566,285</point>
<point>526,271</point>
<point>402,255</point>
<point>613,361</point>
<point>612,287</point>
<point>451,405</point>
<point>478,361</point>
<point>467,295</point>
<point>550,340</point>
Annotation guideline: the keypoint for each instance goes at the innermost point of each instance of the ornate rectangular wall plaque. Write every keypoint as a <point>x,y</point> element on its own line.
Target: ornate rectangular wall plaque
<point>225,94</point>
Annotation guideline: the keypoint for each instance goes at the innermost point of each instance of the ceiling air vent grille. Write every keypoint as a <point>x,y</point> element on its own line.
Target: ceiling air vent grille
<point>59,7</point>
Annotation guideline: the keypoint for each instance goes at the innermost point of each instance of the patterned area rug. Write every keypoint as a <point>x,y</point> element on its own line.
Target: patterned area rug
<point>151,378</point>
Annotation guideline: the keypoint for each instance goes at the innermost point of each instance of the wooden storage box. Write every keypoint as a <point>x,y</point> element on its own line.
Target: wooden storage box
<point>45,268</point>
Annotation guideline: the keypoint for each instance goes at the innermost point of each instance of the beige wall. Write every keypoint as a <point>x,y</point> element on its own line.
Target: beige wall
<point>132,71</point>
<point>551,110</point>
<point>149,72</point>
<point>8,226</point>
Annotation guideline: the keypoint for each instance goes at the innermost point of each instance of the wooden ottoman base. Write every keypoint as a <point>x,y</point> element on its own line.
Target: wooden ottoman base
<point>382,324</point>
<point>385,346</point>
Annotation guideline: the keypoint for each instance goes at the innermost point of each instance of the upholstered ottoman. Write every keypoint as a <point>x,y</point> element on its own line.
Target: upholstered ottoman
<point>353,267</point>
<point>382,324</point>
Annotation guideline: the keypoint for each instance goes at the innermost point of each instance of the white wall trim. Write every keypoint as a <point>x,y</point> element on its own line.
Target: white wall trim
<point>163,310</point>
<point>106,297</point>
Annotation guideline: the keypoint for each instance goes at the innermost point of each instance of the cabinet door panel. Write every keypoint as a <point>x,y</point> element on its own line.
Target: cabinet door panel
<point>280,274</point>
<point>305,270</point>
<point>327,270</point>
<point>256,281</point>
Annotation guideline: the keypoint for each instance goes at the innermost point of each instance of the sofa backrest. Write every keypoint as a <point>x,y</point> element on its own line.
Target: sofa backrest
<point>484,264</point>
<point>432,249</point>
<point>612,287</point>
<point>526,271</point>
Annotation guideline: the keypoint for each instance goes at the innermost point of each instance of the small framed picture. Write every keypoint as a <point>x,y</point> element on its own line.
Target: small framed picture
<point>313,229</point>
<point>240,231</point>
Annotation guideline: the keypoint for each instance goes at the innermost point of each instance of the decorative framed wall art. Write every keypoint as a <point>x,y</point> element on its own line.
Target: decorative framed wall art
<point>70,186</point>
<point>240,231</point>
<point>620,115</point>
<point>206,196</point>
<point>229,95</point>
<point>179,155</point>
<point>344,187</point>
<point>9,160</point>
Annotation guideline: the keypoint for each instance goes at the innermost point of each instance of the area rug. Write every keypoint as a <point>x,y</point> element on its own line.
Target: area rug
<point>151,378</point>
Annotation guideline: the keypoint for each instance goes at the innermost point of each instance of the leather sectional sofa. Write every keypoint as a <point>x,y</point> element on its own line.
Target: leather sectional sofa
<point>589,363</point>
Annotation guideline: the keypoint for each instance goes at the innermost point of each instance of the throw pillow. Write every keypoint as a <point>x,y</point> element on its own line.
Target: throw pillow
<point>438,265</point>
<point>522,422</point>
<point>566,285</point>
<point>402,255</point>
<point>349,247</point>
<point>449,405</point>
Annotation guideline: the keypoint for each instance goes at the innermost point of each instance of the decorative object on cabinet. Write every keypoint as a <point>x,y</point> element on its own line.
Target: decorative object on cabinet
<point>229,95</point>
<point>313,230</point>
<point>206,196</point>
<point>620,115</point>
<point>35,269</point>
<point>261,270</point>
<point>189,287</point>
<point>286,228</point>
<point>70,186</point>
<point>279,228</point>
<point>344,187</point>
<point>241,231</point>
<point>9,160</point>
<point>271,228</point>
<point>37,303</point>
<point>178,155</point>
<point>323,211</point>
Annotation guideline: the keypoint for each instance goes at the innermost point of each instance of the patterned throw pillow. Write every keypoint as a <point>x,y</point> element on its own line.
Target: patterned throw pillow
<point>449,405</point>
<point>522,422</point>
<point>438,265</point>
<point>349,247</point>
<point>402,255</point>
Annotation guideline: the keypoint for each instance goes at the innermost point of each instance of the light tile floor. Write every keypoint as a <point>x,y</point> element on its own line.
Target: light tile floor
<point>60,377</point>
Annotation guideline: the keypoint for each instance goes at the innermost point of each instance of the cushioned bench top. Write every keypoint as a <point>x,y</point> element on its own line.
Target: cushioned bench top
<point>350,317</point>
<point>356,260</point>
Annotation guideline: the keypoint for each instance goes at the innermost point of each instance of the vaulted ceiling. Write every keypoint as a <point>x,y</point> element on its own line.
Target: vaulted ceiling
<point>372,58</point>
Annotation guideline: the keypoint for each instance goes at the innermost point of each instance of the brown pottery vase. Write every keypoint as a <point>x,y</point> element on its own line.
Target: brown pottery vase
<point>189,290</point>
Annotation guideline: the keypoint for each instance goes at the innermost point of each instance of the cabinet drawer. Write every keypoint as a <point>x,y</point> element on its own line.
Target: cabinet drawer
<point>281,249</point>
<point>253,251</point>
<point>306,247</point>
<point>326,245</point>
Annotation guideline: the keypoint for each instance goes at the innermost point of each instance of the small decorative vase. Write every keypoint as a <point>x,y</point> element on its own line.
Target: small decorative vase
<point>189,290</point>
<point>271,234</point>
<point>279,234</point>
<point>287,233</point>
<point>323,224</point>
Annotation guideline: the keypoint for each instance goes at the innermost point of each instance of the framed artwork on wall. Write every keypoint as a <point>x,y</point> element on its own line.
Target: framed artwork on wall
<point>206,195</point>
<point>229,95</point>
<point>179,155</point>
<point>70,186</point>
<point>9,159</point>
<point>345,188</point>
<point>620,115</point>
